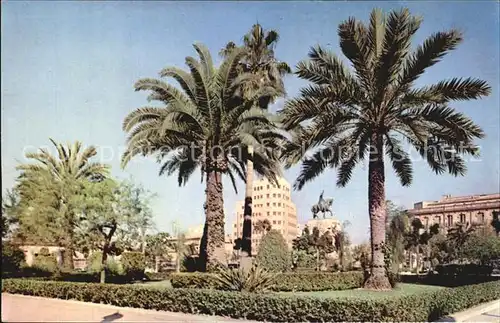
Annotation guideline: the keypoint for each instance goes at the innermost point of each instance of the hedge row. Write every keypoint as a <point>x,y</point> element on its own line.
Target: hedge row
<point>427,306</point>
<point>294,281</point>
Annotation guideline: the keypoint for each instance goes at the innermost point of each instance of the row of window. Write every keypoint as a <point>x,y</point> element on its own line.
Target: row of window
<point>260,188</point>
<point>449,219</point>
<point>275,195</point>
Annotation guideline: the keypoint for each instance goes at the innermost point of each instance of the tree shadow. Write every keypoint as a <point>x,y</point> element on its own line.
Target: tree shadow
<point>112,317</point>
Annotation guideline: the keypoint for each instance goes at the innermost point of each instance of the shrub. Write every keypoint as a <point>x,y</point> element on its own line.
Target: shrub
<point>133,264</point>
<point>12,258</point>
<point>194,280</point>
<point>458,271</point>
<point>426,306</point>
<point>304,260</point>
<point>254,280</point>
<point>94,262</point>
<point>164,275</point>
<point>45,262</point>
<point>292,281</point>
<point>317,281</point>
<point>273,254</point>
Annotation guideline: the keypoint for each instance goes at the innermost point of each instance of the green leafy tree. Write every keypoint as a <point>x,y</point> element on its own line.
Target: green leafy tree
<point>273,254</point>
<point>100,218</point>
<point>136,200</point>
<point>418,239</point>
<point>263,226</point>
<point>397,230</point>
<point>481,249</point>
<point>49,183</point>
<point>347,115</point>
<point>204,125</point>
<point>157,247</point>
<point>342,243</point>
<point>262,69</point>
<point>495,222</point>
<point>10,212</point>
<point>315,243</point>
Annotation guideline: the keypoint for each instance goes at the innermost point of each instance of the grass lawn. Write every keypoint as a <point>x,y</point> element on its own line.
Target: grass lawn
<point>400,290</point>
<point>162,284</point>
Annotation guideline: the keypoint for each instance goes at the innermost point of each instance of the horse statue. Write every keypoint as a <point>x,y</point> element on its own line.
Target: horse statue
<point>324,206</point>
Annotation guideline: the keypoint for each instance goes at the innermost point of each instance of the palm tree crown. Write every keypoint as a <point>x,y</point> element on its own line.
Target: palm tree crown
<point>346,109</point>
<point>205,125</point>
<point>345,115</point>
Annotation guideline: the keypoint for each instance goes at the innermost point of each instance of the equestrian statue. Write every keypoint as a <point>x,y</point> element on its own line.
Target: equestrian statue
<point>323,205</point>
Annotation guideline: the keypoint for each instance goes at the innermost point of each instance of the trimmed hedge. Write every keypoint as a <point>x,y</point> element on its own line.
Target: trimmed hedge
<point>427,306</point>
<point>294,281</point>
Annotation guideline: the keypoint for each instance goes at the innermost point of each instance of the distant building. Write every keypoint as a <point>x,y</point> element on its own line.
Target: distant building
<point>271,202</point>
<point>448,211</point>
<point>31,251</point>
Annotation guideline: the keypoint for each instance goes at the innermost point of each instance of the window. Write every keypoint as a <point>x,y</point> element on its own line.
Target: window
<point>235,225</point>
<point>274,222</point>
<point>438,219</point>
<point>267,186</point>
<point>480,216</point>
<point>279,222</point>
<point>279,195</point>
<point>267,195</point>
<point>268,213</point>
<point>274,203</point>
<point>462,218</point>
<point>450,220</point>
<point>279,204</point>
<point>279,213</point>
<point>274,194</point>
<point>267,203</point>
<point>426,222</point>
<point>274,212</point>
<point>279,186</point>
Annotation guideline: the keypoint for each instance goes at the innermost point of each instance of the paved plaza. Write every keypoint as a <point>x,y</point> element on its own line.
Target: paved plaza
<point>19,308</point>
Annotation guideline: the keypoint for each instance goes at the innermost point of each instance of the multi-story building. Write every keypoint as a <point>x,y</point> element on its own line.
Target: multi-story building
<point>271,202</point>
<point>448,211</point>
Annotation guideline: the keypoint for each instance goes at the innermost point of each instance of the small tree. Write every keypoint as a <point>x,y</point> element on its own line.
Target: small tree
<point>157,246</point>
<point>481,249</point>
<point>273,254</point>
<point>12,257</point>
<point>133,264</point>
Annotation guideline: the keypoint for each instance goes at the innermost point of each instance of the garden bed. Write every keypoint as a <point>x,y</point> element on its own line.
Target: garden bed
<point>425,306</point>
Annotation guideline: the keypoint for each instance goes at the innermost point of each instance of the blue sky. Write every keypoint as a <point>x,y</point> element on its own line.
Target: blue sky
<point>68,70</point>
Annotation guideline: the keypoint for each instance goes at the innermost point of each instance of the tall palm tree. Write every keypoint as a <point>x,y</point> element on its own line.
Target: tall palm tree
<point>347,115</point>
<point>263,70</point>
<point>204,125</point>
<point>58,176</point>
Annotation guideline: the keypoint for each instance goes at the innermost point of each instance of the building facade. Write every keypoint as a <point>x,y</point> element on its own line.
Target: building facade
<point>272,202</point>
<point>448,211</point>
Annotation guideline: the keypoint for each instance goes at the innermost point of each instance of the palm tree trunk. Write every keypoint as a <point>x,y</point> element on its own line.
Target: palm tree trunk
<point>376,203</point>
<point>213,252</point>
<point>246,241</point>
<point>417,255</point>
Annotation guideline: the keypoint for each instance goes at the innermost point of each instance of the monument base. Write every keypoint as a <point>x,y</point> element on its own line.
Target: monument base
<point>328,224</point>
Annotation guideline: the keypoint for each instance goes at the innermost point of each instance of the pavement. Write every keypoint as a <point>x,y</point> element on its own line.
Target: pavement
<point>487,312</point>
<point>20,308</point>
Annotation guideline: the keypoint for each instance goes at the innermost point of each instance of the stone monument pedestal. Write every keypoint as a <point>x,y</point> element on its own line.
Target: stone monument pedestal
<point>328,224</point>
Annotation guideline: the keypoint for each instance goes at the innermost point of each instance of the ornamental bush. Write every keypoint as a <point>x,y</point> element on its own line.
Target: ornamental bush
<point>133,264</point>
<point>426,306</point>
<point>292,281</point>
<point>273,254</point>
